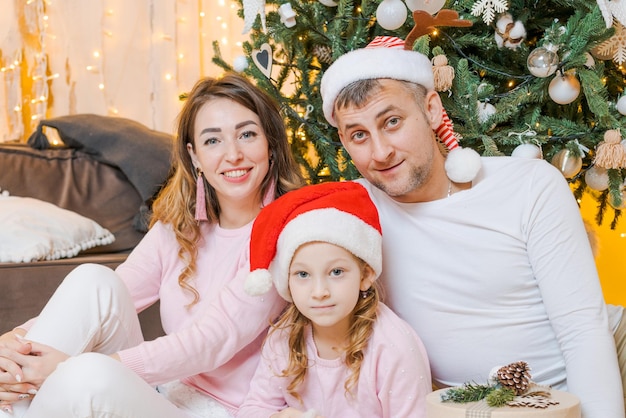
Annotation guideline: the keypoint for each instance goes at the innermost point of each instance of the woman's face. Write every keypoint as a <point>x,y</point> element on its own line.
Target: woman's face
<point>232,151</point>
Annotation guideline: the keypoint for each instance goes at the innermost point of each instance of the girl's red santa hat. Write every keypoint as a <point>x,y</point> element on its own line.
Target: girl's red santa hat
<point>385,57</point>
<point>339,213</point>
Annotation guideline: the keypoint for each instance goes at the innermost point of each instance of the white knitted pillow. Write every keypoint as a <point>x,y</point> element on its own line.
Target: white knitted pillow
<point>31,230</point>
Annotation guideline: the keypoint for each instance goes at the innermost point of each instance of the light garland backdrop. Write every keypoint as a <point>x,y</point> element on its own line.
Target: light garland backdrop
<point>108,57</point>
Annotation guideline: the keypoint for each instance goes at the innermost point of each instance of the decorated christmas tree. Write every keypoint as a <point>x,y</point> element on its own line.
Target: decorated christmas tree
<point>533,79</point>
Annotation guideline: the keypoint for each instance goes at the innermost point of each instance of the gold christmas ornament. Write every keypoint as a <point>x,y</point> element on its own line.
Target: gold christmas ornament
<point>568,162</point>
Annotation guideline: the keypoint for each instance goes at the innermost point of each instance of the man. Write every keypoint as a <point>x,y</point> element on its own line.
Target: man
<point>490,267</point>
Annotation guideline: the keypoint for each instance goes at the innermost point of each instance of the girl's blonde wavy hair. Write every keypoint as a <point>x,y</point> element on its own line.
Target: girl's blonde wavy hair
<point>362,324</point>
<point>176,202</point>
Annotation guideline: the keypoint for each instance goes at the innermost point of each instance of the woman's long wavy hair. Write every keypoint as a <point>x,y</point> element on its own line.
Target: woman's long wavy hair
<point>361,327</point>
<point>176,202</point>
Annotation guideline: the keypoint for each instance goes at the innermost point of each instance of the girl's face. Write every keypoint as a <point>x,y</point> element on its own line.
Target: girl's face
<point>324,281</point>
<point>232,151</point>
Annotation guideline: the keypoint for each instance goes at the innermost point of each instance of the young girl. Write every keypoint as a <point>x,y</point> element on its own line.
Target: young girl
<point>230,158</point>
<point>336,351</point>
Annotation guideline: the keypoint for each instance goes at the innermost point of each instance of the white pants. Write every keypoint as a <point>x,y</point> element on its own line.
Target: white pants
<point>89,316</point>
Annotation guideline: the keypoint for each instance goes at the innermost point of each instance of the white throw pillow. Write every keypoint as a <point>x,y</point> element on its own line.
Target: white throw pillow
<point>31,230</point>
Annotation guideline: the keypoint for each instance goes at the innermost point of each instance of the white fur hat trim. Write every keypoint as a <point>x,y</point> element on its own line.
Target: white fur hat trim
<point>340,228</point>
<point>371,63</point>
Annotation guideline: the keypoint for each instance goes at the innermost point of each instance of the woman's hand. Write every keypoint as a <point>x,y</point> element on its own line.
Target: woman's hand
<point>11,339</point>
<point>11,374</point>
<point>37,361</point>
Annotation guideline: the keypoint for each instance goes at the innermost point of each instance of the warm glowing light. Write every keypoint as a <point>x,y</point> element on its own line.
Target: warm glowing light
<point>201,14</point>
<point>101,86</point>
<point>224,25</point>
<point>435,32</point>
<point>511,83</point>
<point>168,76</point>
<point>96,54</point>
<point>224,41</point>
<point>181,56</point>
<point>45,17</point>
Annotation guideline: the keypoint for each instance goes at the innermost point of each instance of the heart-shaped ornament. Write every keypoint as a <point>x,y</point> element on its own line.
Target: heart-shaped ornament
<point>263,59</point>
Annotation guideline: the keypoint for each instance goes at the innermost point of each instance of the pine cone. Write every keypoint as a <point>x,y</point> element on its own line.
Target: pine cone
<point>515,376</point>
<point>323,53</point>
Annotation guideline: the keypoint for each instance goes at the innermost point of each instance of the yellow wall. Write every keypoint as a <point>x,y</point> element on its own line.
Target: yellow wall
<point>611,251</point>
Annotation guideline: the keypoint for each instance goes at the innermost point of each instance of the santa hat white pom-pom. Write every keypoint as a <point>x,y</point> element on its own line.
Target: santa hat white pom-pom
<point>258,282</point>
<point>462,165</point>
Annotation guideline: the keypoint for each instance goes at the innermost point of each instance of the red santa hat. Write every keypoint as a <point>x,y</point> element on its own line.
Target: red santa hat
<point>385,57</point>
<point>339,213</point>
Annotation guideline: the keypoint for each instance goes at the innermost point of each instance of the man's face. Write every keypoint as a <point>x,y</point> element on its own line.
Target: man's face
<point>391,141</point>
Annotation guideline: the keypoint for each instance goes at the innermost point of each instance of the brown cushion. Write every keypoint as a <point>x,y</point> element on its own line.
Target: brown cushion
<point>74,180</point>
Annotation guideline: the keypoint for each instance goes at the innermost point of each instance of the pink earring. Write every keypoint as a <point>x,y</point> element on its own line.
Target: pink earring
<point>201,214</point>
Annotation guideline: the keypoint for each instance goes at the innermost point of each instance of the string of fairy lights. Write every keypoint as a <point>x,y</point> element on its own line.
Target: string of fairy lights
<point>37,83</point>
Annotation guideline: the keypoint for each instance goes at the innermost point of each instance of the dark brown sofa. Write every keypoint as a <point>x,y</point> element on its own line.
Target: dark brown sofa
<point>74,180</point>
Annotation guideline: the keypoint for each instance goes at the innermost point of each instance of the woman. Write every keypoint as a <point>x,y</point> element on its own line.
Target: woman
<point>231,158</point>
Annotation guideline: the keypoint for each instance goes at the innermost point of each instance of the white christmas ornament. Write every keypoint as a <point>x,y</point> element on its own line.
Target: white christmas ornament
<point>430,6</point>
<point>527,150</point>
<point>568,162</point>
<point>508,33</point>
<point>287,15</point>
<point>329,3</point>
<point>597,178</point>
<point>251,8</point>
<point>240,63</point>
<point>590,62</point>
<point>391,14</point>
<point>564,88</point>
<point>485,111</point>
<point>543,61</point>
<point>621,105</point>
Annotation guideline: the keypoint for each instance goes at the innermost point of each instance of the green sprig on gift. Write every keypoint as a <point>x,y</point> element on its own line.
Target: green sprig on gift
<point>494,395</point>
<point>509,381</point>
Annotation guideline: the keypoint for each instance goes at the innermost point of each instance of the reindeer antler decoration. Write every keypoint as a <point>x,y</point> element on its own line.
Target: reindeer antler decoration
<point>425,23</point>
